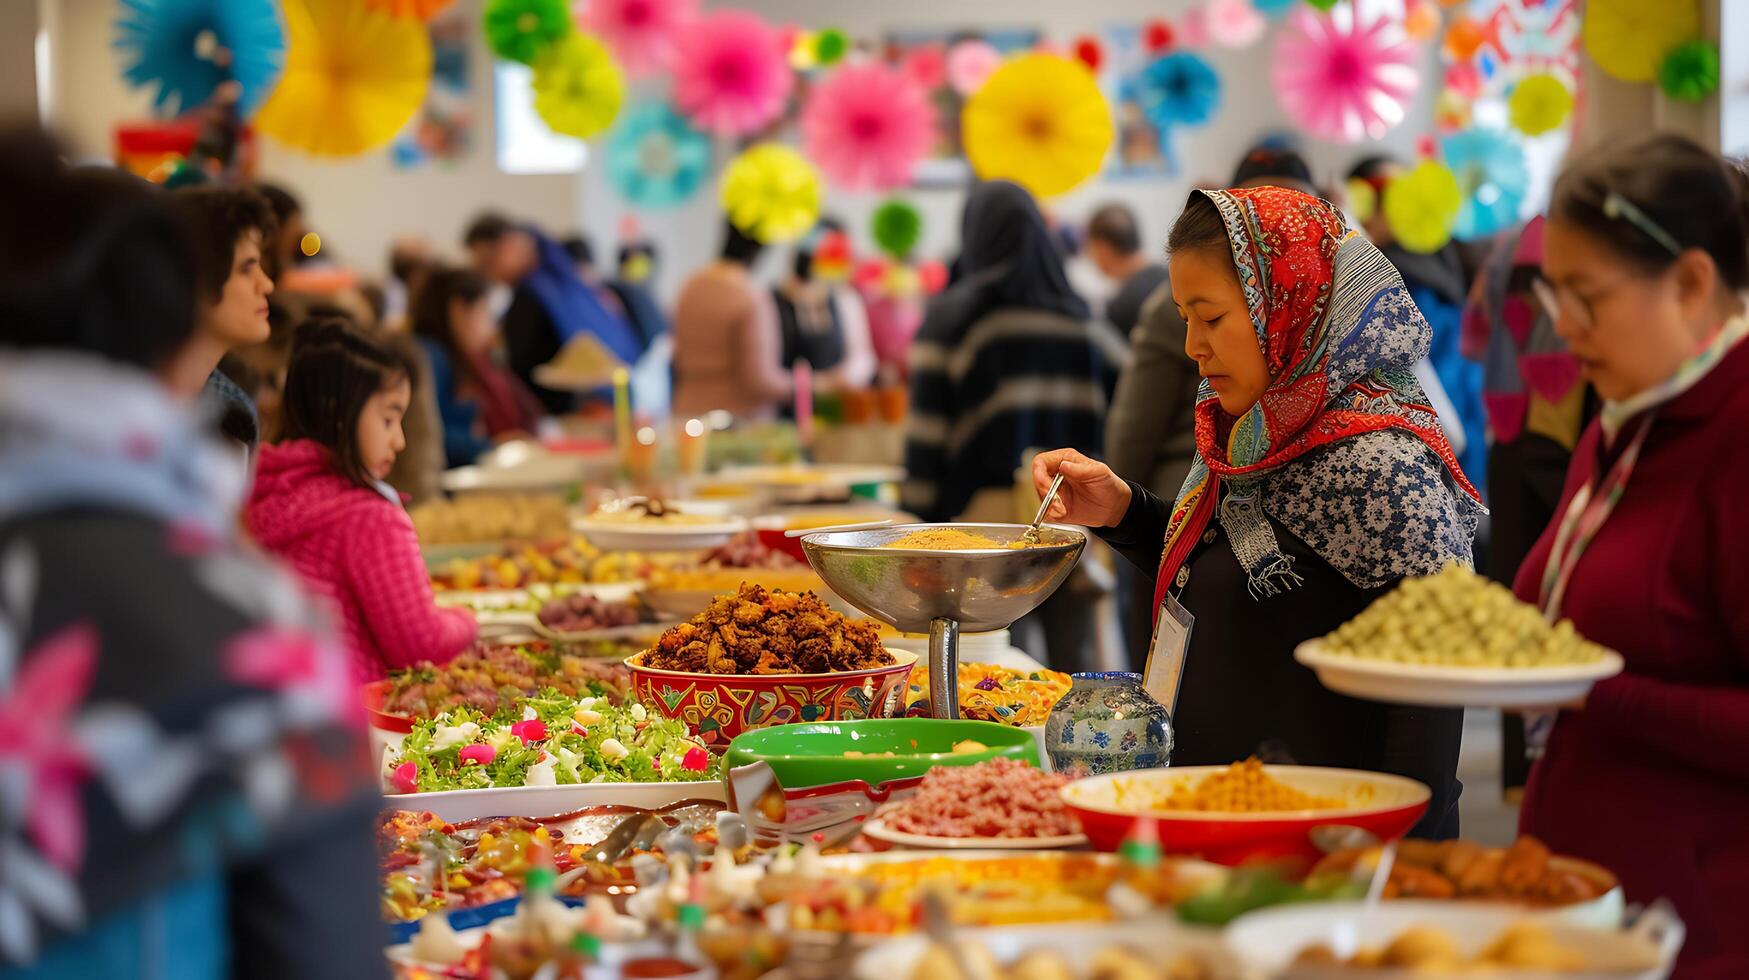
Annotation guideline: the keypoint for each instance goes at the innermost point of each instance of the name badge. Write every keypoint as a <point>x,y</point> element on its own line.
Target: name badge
<point>1166,656</point>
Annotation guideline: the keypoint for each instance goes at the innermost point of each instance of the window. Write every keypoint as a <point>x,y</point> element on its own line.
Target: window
<point>525,144</point>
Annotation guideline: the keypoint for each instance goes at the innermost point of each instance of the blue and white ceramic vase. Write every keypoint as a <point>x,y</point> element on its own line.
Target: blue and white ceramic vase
<point>1108,723</point>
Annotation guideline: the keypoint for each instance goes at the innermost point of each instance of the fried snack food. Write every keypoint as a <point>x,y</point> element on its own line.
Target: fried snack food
<point>1426,949</point>
<point>1521,873</point>
<point>756,631</point>
<point>1243,787</point>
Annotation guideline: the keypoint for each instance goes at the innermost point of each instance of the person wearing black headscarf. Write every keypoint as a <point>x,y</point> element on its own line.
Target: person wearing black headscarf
<point>1008,358</point>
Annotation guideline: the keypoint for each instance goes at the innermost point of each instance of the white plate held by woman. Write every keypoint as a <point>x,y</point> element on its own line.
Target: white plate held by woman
<point>1457,687</point>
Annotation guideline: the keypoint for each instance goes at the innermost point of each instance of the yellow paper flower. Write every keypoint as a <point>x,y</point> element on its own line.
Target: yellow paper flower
<point>1039,121</point>
<point>1629,38</point>
<point>1363,201</point>
<point>1538,104</point>
<point>353,77</point>
<point>771,193</point>
<point>1422,206</point>
<point>577,86</point>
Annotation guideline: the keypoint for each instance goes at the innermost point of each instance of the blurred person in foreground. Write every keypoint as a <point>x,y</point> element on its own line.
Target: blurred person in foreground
<point>727,342</point>
<point>1149,437</point>
<point>550,304</point>
<point>187,789</point>
<point>1114,246</point>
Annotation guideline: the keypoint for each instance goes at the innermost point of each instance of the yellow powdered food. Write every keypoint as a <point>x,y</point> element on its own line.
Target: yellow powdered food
<point>948,539</point>
<point>1243,787</point>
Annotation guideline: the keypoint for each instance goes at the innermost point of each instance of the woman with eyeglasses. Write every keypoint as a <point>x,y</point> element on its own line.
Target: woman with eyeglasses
<point>1645,266</point>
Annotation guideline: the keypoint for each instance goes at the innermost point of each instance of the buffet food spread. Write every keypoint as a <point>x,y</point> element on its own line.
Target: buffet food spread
<point>703,761</point>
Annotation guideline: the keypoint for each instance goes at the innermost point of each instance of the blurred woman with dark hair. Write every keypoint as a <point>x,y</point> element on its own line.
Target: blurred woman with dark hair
<point>479,400</point>
<point>134,627</point>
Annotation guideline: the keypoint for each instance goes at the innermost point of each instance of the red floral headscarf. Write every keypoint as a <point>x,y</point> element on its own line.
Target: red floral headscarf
<point>1340,337</point>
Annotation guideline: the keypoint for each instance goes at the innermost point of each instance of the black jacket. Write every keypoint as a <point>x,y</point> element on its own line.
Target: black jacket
<point>1242,692</point>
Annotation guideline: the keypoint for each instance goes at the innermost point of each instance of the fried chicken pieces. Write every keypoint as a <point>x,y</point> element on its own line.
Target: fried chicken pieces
<point>756,631</point>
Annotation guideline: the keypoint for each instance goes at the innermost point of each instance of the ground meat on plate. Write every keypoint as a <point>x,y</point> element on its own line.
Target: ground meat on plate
<point>997,798</point>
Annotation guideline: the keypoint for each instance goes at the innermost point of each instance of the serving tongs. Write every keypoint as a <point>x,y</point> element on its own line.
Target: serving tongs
<point>1031,534</point>
<point>636,832</point>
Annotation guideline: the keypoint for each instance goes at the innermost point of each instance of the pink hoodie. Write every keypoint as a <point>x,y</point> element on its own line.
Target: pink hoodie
<point>357,548</point>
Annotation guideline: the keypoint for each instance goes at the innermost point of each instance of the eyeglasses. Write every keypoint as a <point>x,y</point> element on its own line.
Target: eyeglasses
<point>1618,208</point>
<point>1558,299</point>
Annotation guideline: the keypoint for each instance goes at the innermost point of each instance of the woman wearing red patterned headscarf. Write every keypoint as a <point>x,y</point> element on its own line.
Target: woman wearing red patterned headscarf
<point>1321,479</point>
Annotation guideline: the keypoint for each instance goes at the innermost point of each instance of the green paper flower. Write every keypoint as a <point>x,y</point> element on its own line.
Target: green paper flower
<point>830,47</point>
<point>896,226</point>
<point>1690,71</point>
<point>1321,4</point>
<point>519,30</point>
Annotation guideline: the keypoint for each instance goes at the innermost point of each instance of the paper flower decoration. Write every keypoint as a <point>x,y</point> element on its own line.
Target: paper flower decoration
<point>1464,79</point>
<point>1690,71</point>
<point>1422,205</point>
<point>577,87</point>
<point>1362,199</point>
<point>353,77</point>
<point>1273,8</point>
<point>771,193</point>
<point>1041,122</point>
<point>161,44</point>
<point>1178,89</point>
<point>1344,80</point>
<point>830,47</point>
<point>731,78</point>
<point>1492,176</point>
<point>1451,111</point>
<point>927,66</point>
<point>655,159</point>
<point>1629,39</point>
<point>1421,19</point>
<point>1157,37</point>
<point>1233,23</point>
<point>1326,5</point>
<point>518,30</point>
<point>1089,52</point>
<point>896,227</point>
<point>1193,29</point>
<point>867,126</point>
<point>643,34</point>
<point>1463,39</point>
<point>970,64</point>
<point>1538,104</point>
<point>419,10</point>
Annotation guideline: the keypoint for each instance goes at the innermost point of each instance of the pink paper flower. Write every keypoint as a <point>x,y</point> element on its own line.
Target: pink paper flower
<point>731,76</point>
<point>478,754</point>
<point>1193,29</point>
<point>530,731</point>
<point>1234,23</point>
<point>970,64</point>
<point>927,66</point>
<point>1344,80</point>
<point>644,35</point>
<point>405,778</point>
<point>36,738</point>
<point>866,126</point>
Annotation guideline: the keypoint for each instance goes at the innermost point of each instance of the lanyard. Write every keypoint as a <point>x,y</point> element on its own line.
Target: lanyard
<point>1585,515</point>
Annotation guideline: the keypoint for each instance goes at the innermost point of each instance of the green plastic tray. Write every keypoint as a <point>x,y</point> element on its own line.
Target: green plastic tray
<point>812,754</point>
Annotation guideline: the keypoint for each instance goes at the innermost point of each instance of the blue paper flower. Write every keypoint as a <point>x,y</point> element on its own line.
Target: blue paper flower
<point>1273,8</point>
<point>655,159</point>
<point>187,48</point>
<point>1178,89</point>
<point>1491,172</point>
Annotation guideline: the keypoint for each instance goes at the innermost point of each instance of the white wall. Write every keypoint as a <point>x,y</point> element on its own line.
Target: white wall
<point>359,205</point>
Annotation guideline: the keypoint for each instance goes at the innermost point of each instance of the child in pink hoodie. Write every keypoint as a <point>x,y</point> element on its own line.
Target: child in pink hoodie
<point>320,503</point>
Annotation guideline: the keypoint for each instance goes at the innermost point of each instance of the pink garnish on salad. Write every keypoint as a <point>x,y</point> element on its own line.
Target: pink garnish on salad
<point>580,730</point>
<point>530,731</point>
<point>695,760</point>
<point>405,778</point>
<point>479,753</point>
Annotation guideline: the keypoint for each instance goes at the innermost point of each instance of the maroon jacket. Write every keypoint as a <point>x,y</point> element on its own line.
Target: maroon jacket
<point>1651,779</point>
<point>356,548</point>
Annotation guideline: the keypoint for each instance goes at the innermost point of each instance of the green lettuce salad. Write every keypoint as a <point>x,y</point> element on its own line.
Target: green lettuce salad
<point>548,740</point>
